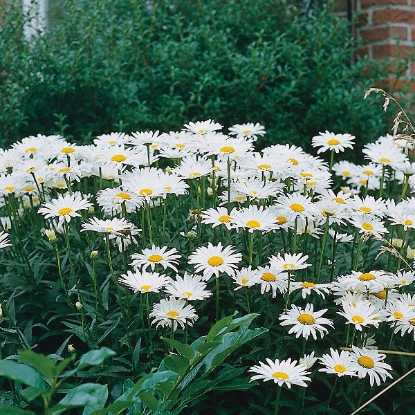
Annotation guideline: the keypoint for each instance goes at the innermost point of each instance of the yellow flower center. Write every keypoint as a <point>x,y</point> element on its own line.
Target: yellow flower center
<point>333,142</point>
<point>408,222</point>
<point>9,189</point>
<point>339,200</point>
<point>172,314</point>
<point>64,170</point>
<point>68,150</point>
<point>288,266</point>
<point>246,132</point>
<point>194,174</point>
<point>227,149</point>
<point>363,182</point>
<point>188,294</point>
<point>280,375</point>
<point>368,172</point>
<point>339,368</point>
<point>281,220</point>
<point>398,315</point>
<point>253,224</point>
<point>215,261</point>
<point>346,173</point>
<point>264,166</point>
<point>180,145</point>
<point>224,218</point>
<point>110,228</point>
<point>31,150</point>
<point>118,158</point>
<point>294,162</point>
<point>365,209</point>
<point>146,192</point>
<point>239,198</point>
<point>296,207</point>
<point>385,160</point>
<point>123,195</point>
<point>306,319</point>
<point>145,287</point>
<point>358,319</point>
<point>366,362</point>
<point>367,226</point>
<point>367,276</point>
<point>65,211</point>
<point>155,258</point>
<point>268,277</point>
<point>412,321</point>
<point>307,284</point>
<point>305,174</point>
<point>244,281</point>
<point>381,295</point>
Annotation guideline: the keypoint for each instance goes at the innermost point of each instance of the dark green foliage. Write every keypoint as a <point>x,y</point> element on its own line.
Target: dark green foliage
<point>136,65</point>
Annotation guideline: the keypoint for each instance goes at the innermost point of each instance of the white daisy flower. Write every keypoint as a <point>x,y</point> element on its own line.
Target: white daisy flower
<point>212,260</point>
<point>4,240</point>
<point>333,142</point>
<point>143,282</point>
<point>307,287</point>
<point>202,127</point>
<point>216,217</point>
<point>308,360</point>
<point>254,218</point>
<point>150,257</point>
<point>289,262</point>
<point>340,364</point>
<point>361,314</point>
<point>366,223</point>
<point>114,226</point>
<point>173,312</point>
<point>296,205</point>
<point>282,372</point>
<point>247,130</point>
<point>369,362</point>
<point>189,287</point>
<point>305,322</point>
<point>65,207</point>
<point>272,279</point>
<point>245,277</point>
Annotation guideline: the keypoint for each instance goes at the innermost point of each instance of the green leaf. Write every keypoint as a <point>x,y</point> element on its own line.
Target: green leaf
<point>12,410</point>
<point>23,374</point>
<point>165,387</point>
<point>94,357</point>
<point>149,400</point>
<point>205,347</point>
<point>45,365</point>
<point>92,396</point>
<point>184,349</point>
<point>176,363</point>
<point>218,327</point>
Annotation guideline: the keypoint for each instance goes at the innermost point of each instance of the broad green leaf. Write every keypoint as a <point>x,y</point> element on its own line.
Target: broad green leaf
<point>176,363</point>
<point>184,349</point>
<point>235,385</point>
<point>218,327</point>
<point>44,365</point>
<point>206,347</point>
<point>23,374</point>
<point>89,395</point>
<point>149,400</point>
<point>94,357</point>
<point>165,387</point>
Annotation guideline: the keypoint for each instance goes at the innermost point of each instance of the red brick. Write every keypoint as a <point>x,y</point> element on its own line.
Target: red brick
<point>413,34</point>
<point>391,51</point>
<point>363,19</point>
<point>393,16</point>
<point>372,34</point>
<point>367,3</point>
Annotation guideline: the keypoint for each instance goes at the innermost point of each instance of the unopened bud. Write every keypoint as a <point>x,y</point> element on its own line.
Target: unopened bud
<point>397,243</point>
<point>78,305</point>
<point>71,349</point>
<point>94,255</point>
<point>91,209</point>
<point>410,253</point>
<point>50,233</point>
<point>209,191</point>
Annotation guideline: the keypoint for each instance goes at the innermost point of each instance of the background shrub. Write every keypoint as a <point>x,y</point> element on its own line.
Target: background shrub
<point>136,65</point>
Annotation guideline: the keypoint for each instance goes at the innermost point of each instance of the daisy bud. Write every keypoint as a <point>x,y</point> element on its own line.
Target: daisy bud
<point>209,191</point>
<point>91,209</point>
<point>199,190</point>
<point>410,253</point>
<point>78,305</point>
<point>1,312</point>
<point>397,243</point>
<point>94,255</point>
<point>71,349</point>
<point>191,235</point>
<point>168,169</point>
<point>50,233</point>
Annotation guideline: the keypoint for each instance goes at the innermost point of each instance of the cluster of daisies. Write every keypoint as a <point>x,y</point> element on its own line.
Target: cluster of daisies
<point>281,191</point>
